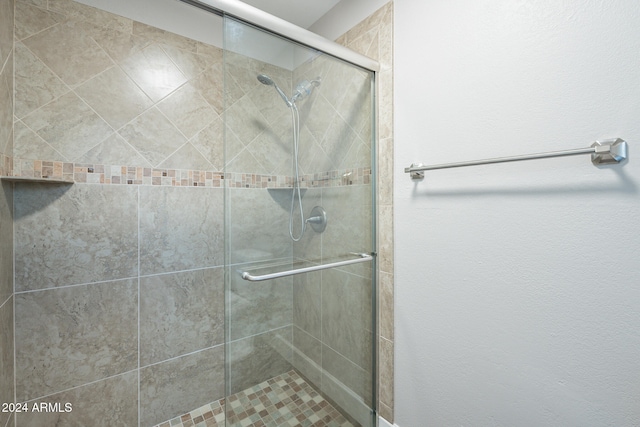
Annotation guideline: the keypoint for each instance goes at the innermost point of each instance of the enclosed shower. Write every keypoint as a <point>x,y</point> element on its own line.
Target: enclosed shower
<point>300,242</point>
<point>193,225</point>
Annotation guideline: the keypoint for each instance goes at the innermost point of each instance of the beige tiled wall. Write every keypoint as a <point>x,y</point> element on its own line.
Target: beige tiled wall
<point>118,280</point>
<point>93,87</point>
<point>331,311</point>
<point>259,313</point>
<point>336,118</point>
<point>114,281</point>
<point>333,308</point>
<point>6,208</point>
<point>257,132</point>
<point>374,38</point>
<point>119,288</point>
<point>71,336</point>
<point>335,135</point>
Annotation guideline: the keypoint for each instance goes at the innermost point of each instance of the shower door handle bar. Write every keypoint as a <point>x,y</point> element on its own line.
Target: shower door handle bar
<point>602,152</point>
<point>362,257</point>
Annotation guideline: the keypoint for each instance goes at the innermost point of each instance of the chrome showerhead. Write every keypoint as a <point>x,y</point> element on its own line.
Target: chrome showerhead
<point>266,80</point>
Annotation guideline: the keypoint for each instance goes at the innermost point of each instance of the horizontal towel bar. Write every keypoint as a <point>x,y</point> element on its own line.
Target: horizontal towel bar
<point>602,153</point>
<point>362,257</point>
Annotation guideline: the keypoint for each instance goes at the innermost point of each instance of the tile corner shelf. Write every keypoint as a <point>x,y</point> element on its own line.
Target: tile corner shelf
<point>36,180</point>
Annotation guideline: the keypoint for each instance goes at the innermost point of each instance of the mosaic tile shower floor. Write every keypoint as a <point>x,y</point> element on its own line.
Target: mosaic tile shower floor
<point>283,401</point>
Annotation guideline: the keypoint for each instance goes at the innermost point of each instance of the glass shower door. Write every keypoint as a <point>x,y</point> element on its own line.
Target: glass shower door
<point>299,232</point>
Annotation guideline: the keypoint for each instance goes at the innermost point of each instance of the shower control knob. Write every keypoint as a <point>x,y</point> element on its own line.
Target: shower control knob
<point>318,219</point>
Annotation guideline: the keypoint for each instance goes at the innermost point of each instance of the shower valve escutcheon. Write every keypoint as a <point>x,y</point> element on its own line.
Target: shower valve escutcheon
<point>318,219</point>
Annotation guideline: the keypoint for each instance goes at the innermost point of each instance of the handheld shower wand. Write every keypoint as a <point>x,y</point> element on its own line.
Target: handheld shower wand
<point>266,80</point>
<point>303,89</point>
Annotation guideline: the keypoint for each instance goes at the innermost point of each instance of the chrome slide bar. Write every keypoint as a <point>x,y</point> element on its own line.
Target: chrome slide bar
<point>362,257</point>
<point>602,153</point>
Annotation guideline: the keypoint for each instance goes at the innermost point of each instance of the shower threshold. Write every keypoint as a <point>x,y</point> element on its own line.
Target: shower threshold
<point>283,401</point>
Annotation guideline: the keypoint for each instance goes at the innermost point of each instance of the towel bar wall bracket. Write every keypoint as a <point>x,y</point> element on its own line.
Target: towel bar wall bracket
<point>610,151</point>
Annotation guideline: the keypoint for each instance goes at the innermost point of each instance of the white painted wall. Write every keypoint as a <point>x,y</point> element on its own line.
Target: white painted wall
<point>517,285</point>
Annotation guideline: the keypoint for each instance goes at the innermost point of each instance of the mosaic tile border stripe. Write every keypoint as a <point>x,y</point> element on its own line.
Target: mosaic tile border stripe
<point>131,175</point>
<point>283,401</point>
<point>6,165</point>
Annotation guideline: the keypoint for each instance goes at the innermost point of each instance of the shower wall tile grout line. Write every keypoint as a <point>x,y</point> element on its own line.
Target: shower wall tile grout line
<point>200,350</point>
<point>6,301</point>
<point>139,304</point>
<point>142,276</point>
<point>45,396</point>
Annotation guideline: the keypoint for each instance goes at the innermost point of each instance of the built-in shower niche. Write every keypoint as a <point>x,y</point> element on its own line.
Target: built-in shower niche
<point>283,196</point>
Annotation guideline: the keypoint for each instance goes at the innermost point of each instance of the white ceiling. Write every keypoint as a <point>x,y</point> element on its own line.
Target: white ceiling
<point>300,12</point>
